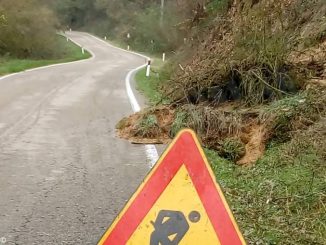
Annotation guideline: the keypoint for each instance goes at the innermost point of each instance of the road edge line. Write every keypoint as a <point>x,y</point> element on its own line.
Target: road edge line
<point>151,151</point>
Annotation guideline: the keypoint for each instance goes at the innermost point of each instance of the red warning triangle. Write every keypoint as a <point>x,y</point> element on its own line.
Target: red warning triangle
<point>182,189</point>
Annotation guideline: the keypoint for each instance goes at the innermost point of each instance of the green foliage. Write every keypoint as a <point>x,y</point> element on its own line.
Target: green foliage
<point>281,199</point>
<point>150,36</point>
<point>180,122</point>
<point>262,45</point>
<point>294,113</point>
<point>70,52</point>
<point>220,6</point>
<point>27,31</point>
<point>150,86</point>
<point>77,13</point>
<point>232,149</point>
<point>247,54</point>
<point>142,19</point>
<point>147,126</point>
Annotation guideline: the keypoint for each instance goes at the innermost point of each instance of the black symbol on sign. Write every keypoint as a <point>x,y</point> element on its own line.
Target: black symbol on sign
<point>171,226</point>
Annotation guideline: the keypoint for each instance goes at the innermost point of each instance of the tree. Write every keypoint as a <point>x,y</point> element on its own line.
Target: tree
<point>27,31</point>
<point>75,13</point>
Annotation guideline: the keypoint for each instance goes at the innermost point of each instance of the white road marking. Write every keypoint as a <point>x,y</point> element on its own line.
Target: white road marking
<point>151,150</point>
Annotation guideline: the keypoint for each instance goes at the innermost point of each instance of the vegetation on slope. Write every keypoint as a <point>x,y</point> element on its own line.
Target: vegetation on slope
<point>141,19</point>
<point>29,37</point>
<point>251,57</point>
<point>69,52</point>
<point>253,88</point>
<point>27,31</point>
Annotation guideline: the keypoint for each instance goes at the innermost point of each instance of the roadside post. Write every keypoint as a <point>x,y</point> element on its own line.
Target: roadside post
<point>163,57</point>
<point>179,202</point>
<point>128,38</point>
<point>83,50</point>
<point>148,68</point>
<point>105,38</point>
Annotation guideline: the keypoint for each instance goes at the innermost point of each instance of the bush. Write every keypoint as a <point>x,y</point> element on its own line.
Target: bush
<point>232,149</point>
<point>219,6</point>
<point>148,126</point>
<point>151,36</point>
<point>179,123</point>
<point>26,30</point>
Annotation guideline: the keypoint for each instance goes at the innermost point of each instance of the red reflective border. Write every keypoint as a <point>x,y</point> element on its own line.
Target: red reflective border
<point>184,151</point>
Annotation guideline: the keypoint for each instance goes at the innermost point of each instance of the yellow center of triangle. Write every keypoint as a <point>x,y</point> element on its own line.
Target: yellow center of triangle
<point>177,214</point>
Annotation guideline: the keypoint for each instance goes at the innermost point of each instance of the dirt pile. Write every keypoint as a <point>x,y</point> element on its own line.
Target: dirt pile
<point>147,127</point>
<point>236,136</point>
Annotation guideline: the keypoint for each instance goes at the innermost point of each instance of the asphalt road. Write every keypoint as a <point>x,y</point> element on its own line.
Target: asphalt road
<point>64,174</point>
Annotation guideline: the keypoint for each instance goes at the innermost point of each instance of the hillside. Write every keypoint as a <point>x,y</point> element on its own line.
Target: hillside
<point>257,77</point>
<point>250,80</point>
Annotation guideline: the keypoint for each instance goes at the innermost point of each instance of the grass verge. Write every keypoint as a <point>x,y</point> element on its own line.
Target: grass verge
<point>70,52</point>
<point>281,199</point>
<point>149,86</point>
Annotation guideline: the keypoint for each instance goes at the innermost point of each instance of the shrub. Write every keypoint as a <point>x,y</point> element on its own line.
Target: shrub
<point>147,126</point>
<point>27,31</point>
<point>179,123</point>
<point>232,149</point>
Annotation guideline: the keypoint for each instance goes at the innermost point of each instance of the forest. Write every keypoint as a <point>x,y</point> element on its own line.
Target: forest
<point>28,27</point>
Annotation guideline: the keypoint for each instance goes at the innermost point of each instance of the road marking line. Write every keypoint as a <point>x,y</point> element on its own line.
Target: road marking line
<point>53,65</point>
<point>150,150</point>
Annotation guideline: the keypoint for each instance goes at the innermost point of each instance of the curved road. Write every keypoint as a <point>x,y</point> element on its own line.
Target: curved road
<point>63,173</point>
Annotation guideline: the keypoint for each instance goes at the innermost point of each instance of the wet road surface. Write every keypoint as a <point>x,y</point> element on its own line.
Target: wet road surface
<point>64,174</point>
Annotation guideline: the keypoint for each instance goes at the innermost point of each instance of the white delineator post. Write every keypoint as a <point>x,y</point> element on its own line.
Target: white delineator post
<point>148,68</point>
<point>105,38</point>
<point>163,57</point>
<point>83,50</point>
<point>128,37</point>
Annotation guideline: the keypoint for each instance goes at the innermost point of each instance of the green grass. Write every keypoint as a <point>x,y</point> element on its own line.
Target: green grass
<point>281,199</point>
<point>70,52</point>
<point>149,86</point>
<point>148,126</point>
<point>180,122</point>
